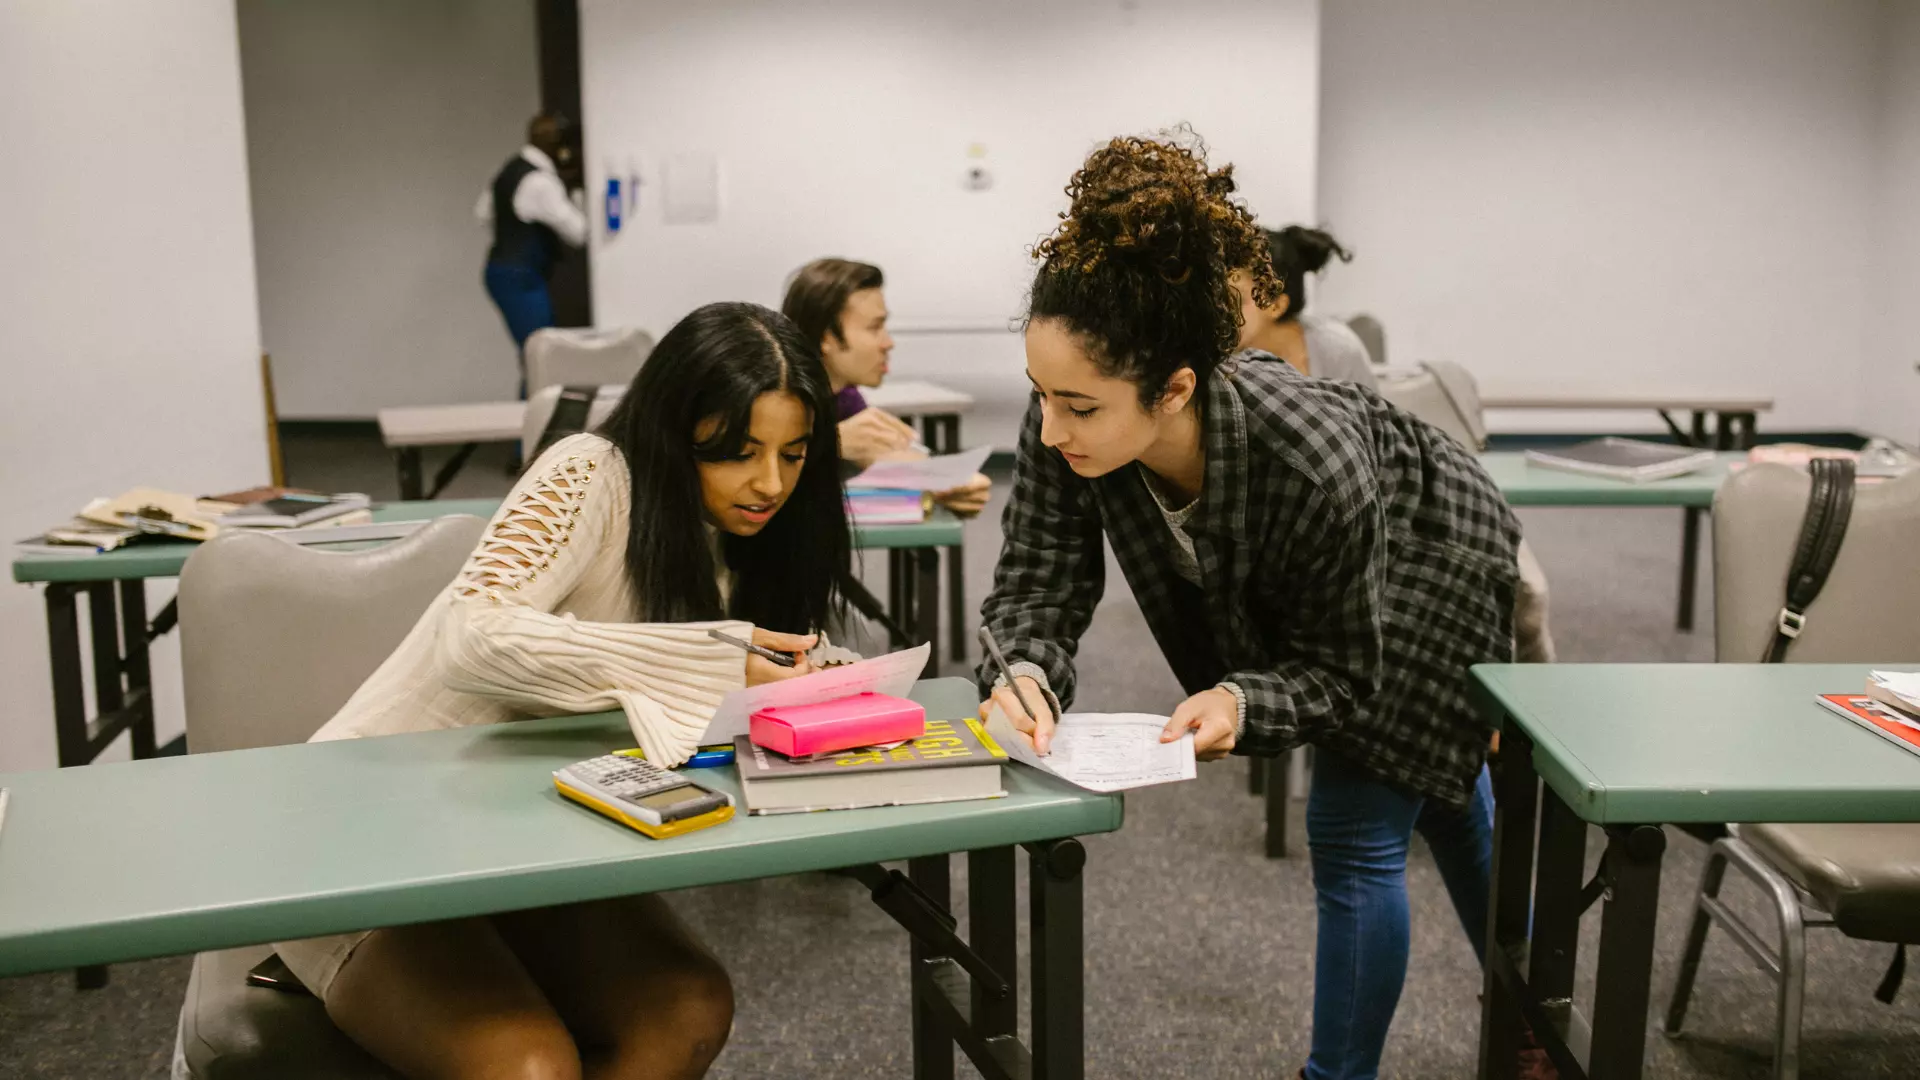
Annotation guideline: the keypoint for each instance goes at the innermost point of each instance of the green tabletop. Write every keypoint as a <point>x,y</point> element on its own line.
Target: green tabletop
<point>1525,484</point>
<point>163,559</point>
<point>1659,743</point>
<point>174,855</point>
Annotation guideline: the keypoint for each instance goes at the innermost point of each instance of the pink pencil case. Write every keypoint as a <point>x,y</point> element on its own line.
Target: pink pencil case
<point>842,724</point>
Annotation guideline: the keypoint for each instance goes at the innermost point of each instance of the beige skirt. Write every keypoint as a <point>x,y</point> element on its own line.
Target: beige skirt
<point>316,962</point>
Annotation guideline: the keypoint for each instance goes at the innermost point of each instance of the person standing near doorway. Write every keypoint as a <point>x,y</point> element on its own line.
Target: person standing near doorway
<point>531,215</point>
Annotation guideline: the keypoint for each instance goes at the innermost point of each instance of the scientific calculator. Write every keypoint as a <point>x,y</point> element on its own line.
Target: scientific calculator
<point>643,796</point>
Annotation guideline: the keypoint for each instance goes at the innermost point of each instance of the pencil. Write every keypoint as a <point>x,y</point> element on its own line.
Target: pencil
<point>3,807</point>
<point>999,661</point>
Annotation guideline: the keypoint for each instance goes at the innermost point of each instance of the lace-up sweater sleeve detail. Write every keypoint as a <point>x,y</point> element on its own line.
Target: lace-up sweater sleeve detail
<point>501,639</point>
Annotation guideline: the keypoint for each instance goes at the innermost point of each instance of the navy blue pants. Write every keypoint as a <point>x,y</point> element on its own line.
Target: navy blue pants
<point>520,292</point>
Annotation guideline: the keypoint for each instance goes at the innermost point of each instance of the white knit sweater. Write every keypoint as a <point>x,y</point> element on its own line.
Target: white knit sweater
<point>538,623</point>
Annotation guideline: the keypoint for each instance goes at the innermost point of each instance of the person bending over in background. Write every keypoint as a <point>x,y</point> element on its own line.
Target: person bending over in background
<point>1316,565</point>
<point>839,303</point>
<point>711,497</point>
<point>1316,344</point>
<point>531,215</point>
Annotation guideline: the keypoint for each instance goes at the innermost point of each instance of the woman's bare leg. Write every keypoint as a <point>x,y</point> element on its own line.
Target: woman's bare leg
<point>450,1001</point>
<point>642,996</point>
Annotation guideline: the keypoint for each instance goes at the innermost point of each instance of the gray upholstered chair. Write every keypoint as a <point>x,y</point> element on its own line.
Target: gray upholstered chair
<point>575,356</point>
<point>1863,880</point>
<point>274,638</point>
<point>1372,335</point>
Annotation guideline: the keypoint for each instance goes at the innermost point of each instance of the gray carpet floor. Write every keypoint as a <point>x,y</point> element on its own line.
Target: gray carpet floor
<point>1199,949</point>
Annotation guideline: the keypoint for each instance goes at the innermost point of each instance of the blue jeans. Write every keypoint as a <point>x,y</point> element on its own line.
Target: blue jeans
<point>520,292</point>
<point>1358,828</point>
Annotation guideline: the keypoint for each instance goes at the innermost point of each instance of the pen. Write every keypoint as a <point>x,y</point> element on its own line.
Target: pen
<point>706,757</point>
<point>3,807</point>
<point>999,661</point>
<point>783,659</point>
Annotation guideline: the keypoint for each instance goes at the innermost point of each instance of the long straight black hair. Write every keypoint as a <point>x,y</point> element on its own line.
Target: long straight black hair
<point>713,365</point>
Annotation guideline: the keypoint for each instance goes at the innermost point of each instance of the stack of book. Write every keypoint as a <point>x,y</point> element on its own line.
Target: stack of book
<point>955,760</point>
<point>1890,708</point>
<point>886,506</point>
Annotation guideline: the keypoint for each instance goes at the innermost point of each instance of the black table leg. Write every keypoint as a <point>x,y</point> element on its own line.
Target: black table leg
<point>926,601</point>
<point>451,469</point>
<point>1689,566</point>
<point>1623,980</point>
<point>1256,775</point>
<point>1279,793</point>
<point>932,1047</point>
<point>993,905</point>
<point>899,584</point>
<point>139,673</point>
<point>1557,906</point>
<point>1515,800</point>
<point>1059,970</point>
<point>1690,536</point>
<point>69,693</point>
<point>957,603</point>
<point>406,460</point>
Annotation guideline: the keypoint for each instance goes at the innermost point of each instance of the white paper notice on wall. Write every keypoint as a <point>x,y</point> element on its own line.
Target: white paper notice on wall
<point>691,186</point>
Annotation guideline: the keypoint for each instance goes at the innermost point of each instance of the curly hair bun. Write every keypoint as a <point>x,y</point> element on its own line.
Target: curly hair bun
<point>1140,261</point>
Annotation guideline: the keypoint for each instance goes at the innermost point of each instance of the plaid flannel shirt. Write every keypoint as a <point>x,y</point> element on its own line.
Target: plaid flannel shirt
<point>1354,562</point>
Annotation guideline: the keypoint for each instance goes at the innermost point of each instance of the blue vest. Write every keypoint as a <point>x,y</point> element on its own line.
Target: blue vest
<point>527,244</point>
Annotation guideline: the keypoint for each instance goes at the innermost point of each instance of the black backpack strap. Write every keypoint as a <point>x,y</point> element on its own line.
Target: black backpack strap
<point>570,414</point>
<point>1829,506</point>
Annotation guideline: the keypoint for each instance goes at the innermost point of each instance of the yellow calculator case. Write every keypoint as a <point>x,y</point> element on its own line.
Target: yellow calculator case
<point>643,797</point>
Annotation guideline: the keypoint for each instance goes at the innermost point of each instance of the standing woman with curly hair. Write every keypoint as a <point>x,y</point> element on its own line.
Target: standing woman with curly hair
<point>1316,566</point>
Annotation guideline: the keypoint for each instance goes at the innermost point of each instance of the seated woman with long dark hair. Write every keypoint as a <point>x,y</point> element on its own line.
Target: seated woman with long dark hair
<point>710,498</point>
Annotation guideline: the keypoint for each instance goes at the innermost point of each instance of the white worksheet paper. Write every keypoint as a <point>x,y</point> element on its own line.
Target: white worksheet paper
<point>1103,751</point>
<point>942,473</point>
<point>892,674</point>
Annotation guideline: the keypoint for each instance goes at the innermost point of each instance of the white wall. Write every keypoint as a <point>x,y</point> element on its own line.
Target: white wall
<point>131,343</point>
<point>1892,386</point>
<point>371,128</point>
<point>1643,194</point>
<point>844,129</point>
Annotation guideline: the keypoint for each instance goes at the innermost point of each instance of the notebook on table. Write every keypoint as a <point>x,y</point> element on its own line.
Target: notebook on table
<point>294,511</point>
<point>1633,460</point>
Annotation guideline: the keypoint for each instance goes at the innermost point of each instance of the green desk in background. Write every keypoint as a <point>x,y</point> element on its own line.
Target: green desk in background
<point>186,854</point>
<point>1630,747</point>
<point>114,584</point>
<point>1530,485</point>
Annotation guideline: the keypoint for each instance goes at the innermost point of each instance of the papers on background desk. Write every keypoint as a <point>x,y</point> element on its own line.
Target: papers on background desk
<point>892,674</point>
<point>942,473</point>
<point>1900,689</point>
<point>1103,751</point>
